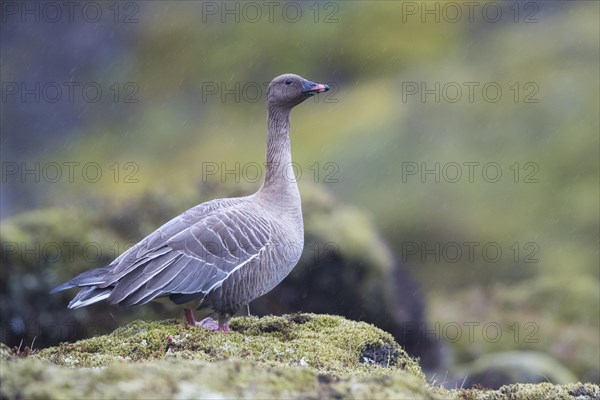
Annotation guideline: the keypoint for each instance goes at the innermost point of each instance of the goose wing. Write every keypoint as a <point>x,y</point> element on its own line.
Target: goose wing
<point>185,259</point>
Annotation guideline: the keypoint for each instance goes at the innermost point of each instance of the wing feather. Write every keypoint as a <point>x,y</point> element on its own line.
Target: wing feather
<point>186,258</point>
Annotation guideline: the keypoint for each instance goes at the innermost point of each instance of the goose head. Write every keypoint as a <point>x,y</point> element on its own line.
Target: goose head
<point>289,90</point>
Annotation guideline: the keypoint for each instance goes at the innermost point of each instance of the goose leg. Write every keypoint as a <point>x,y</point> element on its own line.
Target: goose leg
<point>207,322</point>
<point>224,322</point>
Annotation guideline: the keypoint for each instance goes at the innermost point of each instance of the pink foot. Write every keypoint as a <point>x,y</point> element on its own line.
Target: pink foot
<point>207,322</point>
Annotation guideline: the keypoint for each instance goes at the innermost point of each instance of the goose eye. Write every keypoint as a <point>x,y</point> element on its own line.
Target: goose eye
<point>288,82</point>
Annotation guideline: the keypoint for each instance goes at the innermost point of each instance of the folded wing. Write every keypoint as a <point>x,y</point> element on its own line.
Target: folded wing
<point>185,259</point>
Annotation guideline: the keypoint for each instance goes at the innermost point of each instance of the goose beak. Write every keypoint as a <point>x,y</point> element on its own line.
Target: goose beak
<point>311,88</point>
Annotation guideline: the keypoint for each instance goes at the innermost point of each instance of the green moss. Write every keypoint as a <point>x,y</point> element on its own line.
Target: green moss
<point>197,379</point>
<point>293,356</point>
<point>326,344</point>
<point>301,355</point>
<point>242,379</point>
<point>5,352</point>
<point>534,392</point>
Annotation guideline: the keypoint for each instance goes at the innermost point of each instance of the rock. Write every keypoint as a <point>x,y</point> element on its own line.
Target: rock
<point>306,354</point>
<point>328,344</point>
<point>586,391</point>
<point>498,369</point>
<point>293,356</point>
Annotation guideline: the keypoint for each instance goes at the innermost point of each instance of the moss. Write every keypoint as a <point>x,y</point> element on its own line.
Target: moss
<point>5,352</point>
<point>327,344</point>
<point>197,379</point>
<point>243,379</point>
<point>571,391</point>
<point>304,356</point>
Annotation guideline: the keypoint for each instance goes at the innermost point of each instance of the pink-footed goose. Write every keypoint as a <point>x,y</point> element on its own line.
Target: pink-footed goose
<point>223,253</point>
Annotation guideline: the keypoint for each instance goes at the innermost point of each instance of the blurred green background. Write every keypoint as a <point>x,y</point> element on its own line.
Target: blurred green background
<point>368,141</point>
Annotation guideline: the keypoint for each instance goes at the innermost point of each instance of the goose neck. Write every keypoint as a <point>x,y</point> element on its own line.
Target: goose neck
<point>279,170</point>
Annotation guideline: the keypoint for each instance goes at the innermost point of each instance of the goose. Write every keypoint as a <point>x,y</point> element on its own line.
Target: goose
<point>223,253</point>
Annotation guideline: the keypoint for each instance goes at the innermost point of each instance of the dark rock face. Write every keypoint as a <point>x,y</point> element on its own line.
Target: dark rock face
<point>583,392</point>
<point>382,355</point>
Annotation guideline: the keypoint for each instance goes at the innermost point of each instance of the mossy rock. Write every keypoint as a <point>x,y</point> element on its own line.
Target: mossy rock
<point>327,344</point>
<point>187,379</point>
<point>497,369</point>
<point>302,354</point>
<point>572,391</point>
<point>299,356</point>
